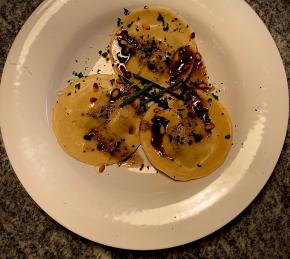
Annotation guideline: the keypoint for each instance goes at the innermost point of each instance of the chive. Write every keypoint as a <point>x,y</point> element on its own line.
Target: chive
<point>134,96</point>
<point>135,86</point>
<point>177,84</point>
<point>126,80</point>
<point>144,80</point>
<point>148,95</point>
<point>147,86</point>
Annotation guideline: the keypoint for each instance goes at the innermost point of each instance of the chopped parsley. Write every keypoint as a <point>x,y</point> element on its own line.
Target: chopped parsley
<point>78,86</point>
<point>119,22</point>
<point>112,81</point>
<point>215,96</point>
<point>79,75</point>
<point>165,25</point>
<point>130,24</point>
<point>141,167</point>
<point>126,11</point>
<point>104,54</point>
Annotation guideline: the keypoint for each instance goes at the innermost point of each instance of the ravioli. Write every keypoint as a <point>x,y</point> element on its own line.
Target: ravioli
<point>159,99</point>
<point>90,126</point>
<point>156,44</point>
<point>187,141</point>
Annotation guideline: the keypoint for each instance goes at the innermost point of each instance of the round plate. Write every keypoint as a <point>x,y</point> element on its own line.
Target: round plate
<point>128,209</point>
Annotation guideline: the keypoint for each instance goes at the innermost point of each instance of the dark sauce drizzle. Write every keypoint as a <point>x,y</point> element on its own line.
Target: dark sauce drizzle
<point>113,146</point>
<point>196,107</point>
<point>197,62</point>
<point>184,59</point>
<point>159,123</point>
<point>184,62</point>
<point>128,47</point>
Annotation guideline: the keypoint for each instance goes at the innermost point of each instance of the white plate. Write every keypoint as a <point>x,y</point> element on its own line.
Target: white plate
<point>133,210</point>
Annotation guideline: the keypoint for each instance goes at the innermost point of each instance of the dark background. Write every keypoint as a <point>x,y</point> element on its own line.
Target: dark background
<point>261,231</point>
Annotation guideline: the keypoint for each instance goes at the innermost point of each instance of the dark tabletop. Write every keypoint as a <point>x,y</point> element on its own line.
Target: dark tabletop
<point>260,231</point>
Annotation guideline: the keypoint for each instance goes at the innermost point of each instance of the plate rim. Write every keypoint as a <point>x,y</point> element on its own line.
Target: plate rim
<point>22,33</point>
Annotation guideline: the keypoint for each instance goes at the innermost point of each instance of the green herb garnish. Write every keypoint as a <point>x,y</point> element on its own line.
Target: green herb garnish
<point>215,96</point>
<point>112,81</point>
<point>79,75</point>
<point>148,85</point>
<point>126,11</point>
<point>130,24</point>
<point>167,90</point>
<point>78,86</point>
<point>134,96</point>
<point>165,25</point>
<point>119,22</point>
<point>161,103</point>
